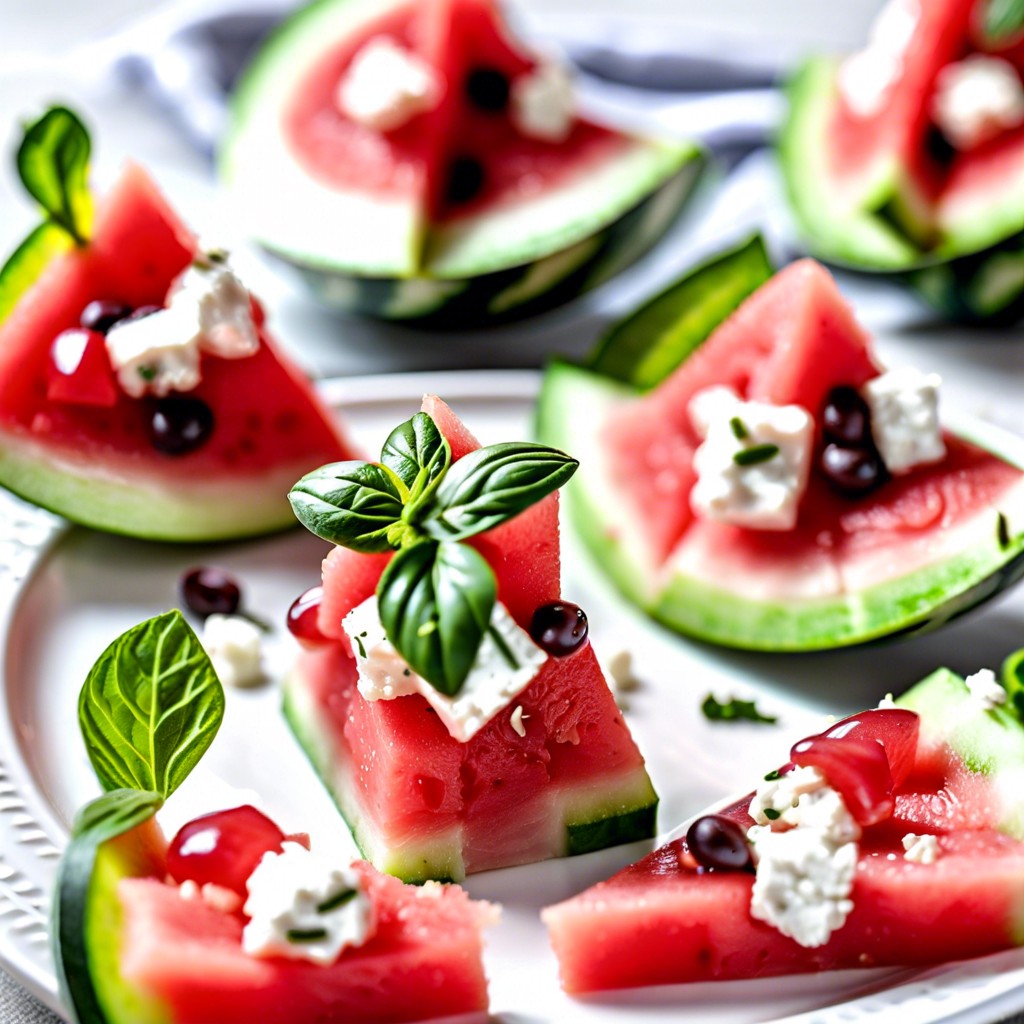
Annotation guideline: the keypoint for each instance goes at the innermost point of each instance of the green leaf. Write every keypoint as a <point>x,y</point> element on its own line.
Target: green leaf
<point>115,813</point>
<point>353,504</point>
<point>435,603</point>
<point>28,261</point>
<point>648,345</point>
<point>418,454</point>
<point>734,711</point>
<point>493,484</point>
<point>1004,20</point>
<point>150,706</point>
<point>53,162</point>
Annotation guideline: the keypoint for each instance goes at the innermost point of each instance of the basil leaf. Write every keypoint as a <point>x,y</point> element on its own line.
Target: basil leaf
<point>115,813</point>
<point>28,261</point>
<point>493,484</point>
<point>1004,19</point>
<point>435,603</point>
<point>349,503</point>
<point>734,710</point>
<point>53,163</point>
<point>417,453</point>
<point>150,706</point>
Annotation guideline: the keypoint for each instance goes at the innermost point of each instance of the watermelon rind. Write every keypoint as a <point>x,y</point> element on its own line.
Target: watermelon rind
<point>379,257</point>
<point>968,276</point>
<point>977,561</point>
<point>590,816</point>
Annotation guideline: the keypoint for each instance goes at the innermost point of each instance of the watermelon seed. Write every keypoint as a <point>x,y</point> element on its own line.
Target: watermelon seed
<point>488,89</point>
<point>755,454</point>
<point>465,180</point>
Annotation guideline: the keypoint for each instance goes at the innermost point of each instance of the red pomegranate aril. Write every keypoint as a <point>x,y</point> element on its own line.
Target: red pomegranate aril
<point>208,590</point>
<point>896,729</point>
<point>303,618</point>
<point>717,842</point>
<point>101,314</point>
<point>223,848</point>
<point>79,371</point>
<point>560,628</point>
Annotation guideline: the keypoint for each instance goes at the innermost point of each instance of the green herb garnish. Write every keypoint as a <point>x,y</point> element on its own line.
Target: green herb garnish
<point>739,429</point>
<point>773,776</point>
<point>436,595</point>
<point>339,899</point>
<point>734,710</point>
<point>305,934</point>
<point>771,814</point>
<point>755,454</point>
<point>1003,20</point>
<point>361,646</point>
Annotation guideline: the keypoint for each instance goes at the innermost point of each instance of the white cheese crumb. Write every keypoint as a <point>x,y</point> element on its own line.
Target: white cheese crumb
<point>386,86</point>
<point>761,495</point>
<point>618,670</point>
<point>235,646</point>
<point>886,703</point>
<point>516,720</point>
<point>226,901</point>
<point>904,406</point>
<point>492,683</point>
<point>921,849</point>
<point>985,689</point>
<point>217,301</point>
<point>977,99</point>
<point>304,907</point>
<point>806,857</point>
<point>543,103</point>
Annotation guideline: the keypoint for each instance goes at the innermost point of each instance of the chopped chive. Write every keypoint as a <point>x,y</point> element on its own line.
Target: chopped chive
<point>773,776</point>
<point>361,646</point>
<point>305,934</point>
<point>147,372</point>
<point>771,814</point>
<point>739,429</point>
<point>755,454</point>
<point>339,899</point>
<point>427,628</point>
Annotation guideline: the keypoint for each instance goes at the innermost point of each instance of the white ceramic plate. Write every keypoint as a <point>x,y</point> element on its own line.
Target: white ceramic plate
<point>66,593</point>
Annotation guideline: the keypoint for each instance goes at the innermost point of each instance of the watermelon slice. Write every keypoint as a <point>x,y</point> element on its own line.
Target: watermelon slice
<point>876,183</point>
<point>662,921</point>
<point>906,556</point>
<point>456,216</point>
<point>80,445</point>
<point>421,804</point>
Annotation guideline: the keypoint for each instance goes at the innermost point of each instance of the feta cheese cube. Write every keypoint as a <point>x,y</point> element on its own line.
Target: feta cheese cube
<point>386,86</point>
<point>904,406</point>
<point>235,646</point>
<point>753,465</point>
<point>543,102</point>
<point>305,907</point>
<point>219,307</point>
<point>921,849</point>
<point>985,689</point>
<point>155,354</point>
<point>977,99</point>
<point>491,685</point>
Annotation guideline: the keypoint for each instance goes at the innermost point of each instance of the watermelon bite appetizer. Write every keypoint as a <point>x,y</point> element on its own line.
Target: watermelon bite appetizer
<point>895,837</point>
<point>759,481</point>
<point>232,920</point>
<point>139,390</point>
<point>450,699</point>
<point>908,156</point>
<point>416,162</point>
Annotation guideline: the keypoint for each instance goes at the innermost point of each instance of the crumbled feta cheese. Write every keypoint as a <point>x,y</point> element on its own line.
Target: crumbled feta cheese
<point>985,689</point>
<point>305,907</point>
<point>921,849</point>
<point>866,78</point>
<point>977,99</point>
<point>753,464</point>
<point>226,901</point>
<point>618,670</point>
<point>208,310</point>
<point>491,685</point>
<point>904,406</point>
<point>235,646</point>
<point>886,703</point>
<point>516,720</point>
<point>543,104</point>
<point>386,86</point>
<point>806,856</point>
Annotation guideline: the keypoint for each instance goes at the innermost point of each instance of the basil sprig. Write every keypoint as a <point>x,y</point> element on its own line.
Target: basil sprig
<point>150,707</point>
<point>437,595</point>
<point>1003,21</point>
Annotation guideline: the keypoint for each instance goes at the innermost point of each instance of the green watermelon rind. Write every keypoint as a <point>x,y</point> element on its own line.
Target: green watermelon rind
<point>575,402</point>
<point>851,234</point>
<point>596,814</point>
<point>451,275</point>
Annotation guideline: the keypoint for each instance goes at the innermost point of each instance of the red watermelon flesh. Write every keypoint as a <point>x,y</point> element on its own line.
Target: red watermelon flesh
<point>424,960</point>
<point>266,414</point>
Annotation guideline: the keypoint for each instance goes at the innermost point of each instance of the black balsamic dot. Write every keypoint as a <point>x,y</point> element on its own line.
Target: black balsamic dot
<point>719,842</point>
<point>101,314</point>
<point>852,471</point>
<point>208,590</point>
<point>180,425</point>
<point>465,180</point>
<point>846,418</point>
<point>559,628</point>
<point>487,89</point>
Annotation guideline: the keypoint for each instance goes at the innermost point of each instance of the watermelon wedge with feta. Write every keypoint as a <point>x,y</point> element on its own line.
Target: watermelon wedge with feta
<point>554,772</point>
<point>912,551</point>
<point>212,461</point>
<point>938,873</point>
<point>908,156</point>
<point>148,931</point>
<point>418,189</point>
